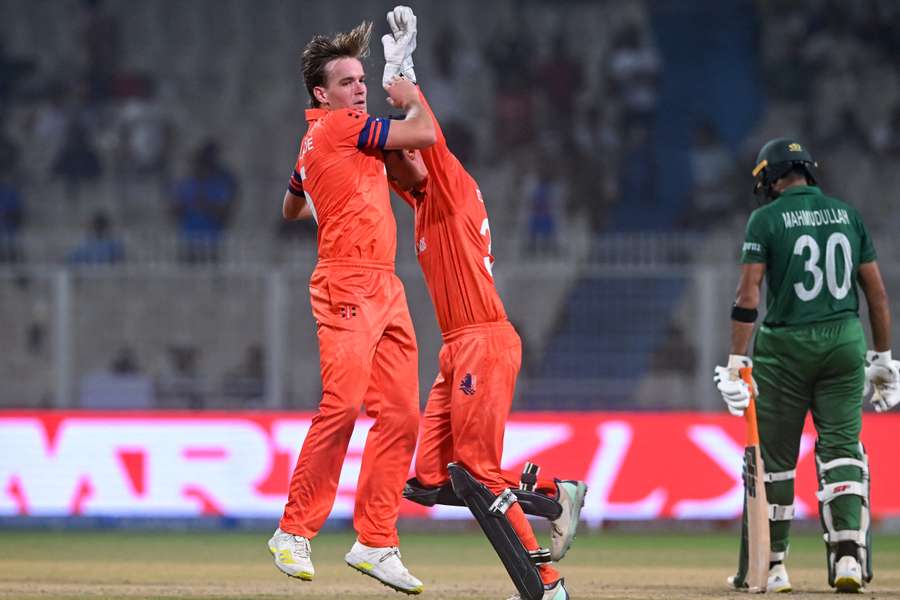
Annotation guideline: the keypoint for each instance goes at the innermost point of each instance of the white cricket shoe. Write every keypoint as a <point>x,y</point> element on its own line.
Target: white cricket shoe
<point>562,530</point>
<point>556,591</point>
<point>383,564</point>
<point>778,580</point>
<point>293,556</point>
<point>848,575</point>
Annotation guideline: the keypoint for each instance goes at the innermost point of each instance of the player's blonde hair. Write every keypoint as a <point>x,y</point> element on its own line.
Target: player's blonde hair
<point>321,50</point>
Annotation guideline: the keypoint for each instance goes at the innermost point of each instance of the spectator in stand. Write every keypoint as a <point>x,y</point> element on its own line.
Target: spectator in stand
<point>848,132</point>
<point>633,75</point>
<point>178,385</point>
<point>445,98</point>
<point>100,246</point>
<point>593,170</point>
<point>13,70</point>
<point>887,137</point>
<point>638,170</point>
<point>100,40</point>
<point>560,80</point>
<point>246,380</point>
<point>145,136</point>
<point>514,112</point>
<point>203,204</point>
<point>11,206</point>
<point>544,195</point>
<point>124,362</point>
<point>712,170</point>
<point>77,161</point>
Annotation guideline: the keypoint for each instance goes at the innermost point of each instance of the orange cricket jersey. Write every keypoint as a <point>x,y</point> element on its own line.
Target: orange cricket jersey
<point>340,170</point>
<point>453,241</point>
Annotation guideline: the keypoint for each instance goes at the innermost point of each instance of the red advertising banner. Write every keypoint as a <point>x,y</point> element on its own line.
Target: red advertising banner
<point>182,464</point>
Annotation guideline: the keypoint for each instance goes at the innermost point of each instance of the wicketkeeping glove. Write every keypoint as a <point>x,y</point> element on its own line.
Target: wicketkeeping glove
<point>399,44</point>
<point>882,374</point>
<point>735,391</point>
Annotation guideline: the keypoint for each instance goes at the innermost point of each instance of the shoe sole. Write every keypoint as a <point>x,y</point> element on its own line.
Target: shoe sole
<point>783,590</point>
<point>847,585</point>
<point>362,568</point>
<point>302,575</point>
<point>580,493</point>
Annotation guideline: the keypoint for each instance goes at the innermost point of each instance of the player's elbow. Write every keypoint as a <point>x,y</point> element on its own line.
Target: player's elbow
<point>292,206</point>
<point>747,298</point>
<point>424,135</point>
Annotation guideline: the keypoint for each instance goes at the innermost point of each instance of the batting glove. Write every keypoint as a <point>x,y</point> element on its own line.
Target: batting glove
<point>883,374</point>
<point>399,44</point>
<point>735,391</point>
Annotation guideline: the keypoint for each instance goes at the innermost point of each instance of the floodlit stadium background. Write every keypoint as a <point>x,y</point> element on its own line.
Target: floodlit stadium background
<point>613,143</point>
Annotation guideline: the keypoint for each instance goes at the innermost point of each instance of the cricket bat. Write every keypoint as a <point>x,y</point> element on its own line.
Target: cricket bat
<point>757,503</point>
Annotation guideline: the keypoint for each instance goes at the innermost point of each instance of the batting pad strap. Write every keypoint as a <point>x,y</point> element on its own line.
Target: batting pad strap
<point>843,462</point>
<point>781,512</point>
<point>830,491</point>
<point>845,535</point>
<point>780,476</point>
<point>528,478</point>
<point>540,556</point>
<point>503,502</point>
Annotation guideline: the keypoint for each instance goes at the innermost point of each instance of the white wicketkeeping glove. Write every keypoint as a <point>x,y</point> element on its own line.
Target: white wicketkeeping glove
<point>882,374</point>
<point>735,391</point>
<point>399,44</point>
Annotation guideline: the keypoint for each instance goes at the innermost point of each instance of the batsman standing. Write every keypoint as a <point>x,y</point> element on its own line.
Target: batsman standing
<point>810,356</point>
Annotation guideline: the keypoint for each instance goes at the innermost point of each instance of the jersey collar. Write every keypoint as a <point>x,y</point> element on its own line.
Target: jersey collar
<point>800,189</point>
<point>314,114</point>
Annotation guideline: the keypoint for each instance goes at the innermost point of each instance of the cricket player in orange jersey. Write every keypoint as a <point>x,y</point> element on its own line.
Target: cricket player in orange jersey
<point>470,400</point>
<point>367,345</point>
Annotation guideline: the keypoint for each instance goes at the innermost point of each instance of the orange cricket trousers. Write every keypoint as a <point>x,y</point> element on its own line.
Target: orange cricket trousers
<point>465,418</point>
<point>367,353</point>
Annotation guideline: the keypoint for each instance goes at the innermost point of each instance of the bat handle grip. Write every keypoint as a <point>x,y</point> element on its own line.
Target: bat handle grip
<point>750,411</point>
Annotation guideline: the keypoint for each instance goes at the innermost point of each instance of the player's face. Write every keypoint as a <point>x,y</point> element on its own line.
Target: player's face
<point>345,85</point>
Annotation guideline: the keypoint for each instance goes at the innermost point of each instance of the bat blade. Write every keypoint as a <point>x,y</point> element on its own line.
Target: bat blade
<point>758,542</point>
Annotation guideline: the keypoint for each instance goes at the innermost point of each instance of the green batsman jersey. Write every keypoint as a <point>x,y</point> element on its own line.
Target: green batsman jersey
<point>812,246</point>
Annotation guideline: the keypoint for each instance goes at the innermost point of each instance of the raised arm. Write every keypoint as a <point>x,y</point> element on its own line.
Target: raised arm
<point>416,131</point>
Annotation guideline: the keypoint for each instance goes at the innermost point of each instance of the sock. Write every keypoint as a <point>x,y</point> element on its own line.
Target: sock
<point>526,535</point>
<point>846,549</point>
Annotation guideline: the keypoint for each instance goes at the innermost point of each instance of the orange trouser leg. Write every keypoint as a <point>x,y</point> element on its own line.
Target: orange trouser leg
<point>436,437</point>
<point>478,414</point>
<point>345,358</point>
<point>393,401</point>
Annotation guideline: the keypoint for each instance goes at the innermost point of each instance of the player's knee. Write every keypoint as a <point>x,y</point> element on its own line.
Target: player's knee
<point>404,423</point>
<point>343,413</point>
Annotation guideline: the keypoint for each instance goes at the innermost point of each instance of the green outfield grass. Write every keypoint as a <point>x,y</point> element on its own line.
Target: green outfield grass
<point>454,566</point>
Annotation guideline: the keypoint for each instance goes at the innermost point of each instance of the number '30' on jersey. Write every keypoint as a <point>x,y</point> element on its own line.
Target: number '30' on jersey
<point>812,246</point>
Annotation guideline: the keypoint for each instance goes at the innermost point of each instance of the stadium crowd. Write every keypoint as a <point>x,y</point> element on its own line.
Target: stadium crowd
<point>109,141</point>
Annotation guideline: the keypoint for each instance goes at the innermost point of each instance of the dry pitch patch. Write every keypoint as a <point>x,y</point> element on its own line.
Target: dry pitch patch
<point>457,566</point>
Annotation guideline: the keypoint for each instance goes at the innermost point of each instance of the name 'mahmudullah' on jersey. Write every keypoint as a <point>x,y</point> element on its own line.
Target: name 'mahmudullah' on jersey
<point>815,218</point>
